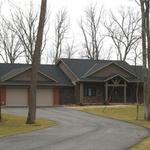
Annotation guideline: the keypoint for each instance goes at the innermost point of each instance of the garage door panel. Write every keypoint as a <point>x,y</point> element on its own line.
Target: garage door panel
<point>16,97</point>
<point>44,97</point>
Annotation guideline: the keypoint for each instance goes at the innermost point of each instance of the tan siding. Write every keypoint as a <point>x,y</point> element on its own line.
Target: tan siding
<point>67,72</point>
<point>110,70</point>
<point>26,76</point>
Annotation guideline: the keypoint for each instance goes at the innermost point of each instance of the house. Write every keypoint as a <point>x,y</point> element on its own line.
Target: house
<point>72,81</point>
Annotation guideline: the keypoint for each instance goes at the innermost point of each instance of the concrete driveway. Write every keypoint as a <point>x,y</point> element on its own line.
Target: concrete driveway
<point>75,131</point>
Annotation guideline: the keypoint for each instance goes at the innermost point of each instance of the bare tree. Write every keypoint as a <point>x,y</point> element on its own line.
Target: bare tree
<point>137,57</point>
<point>90,27</point>
<point>124,31</point>
<point>35,64</point>
<point>108,56</point>
<point>145,15</point>
<point>61,29</point>
<point>10,46</point>
<point>69,52</point>
<point>25,25</point>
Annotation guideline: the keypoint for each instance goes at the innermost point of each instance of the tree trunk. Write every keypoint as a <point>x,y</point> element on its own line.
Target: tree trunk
<point>148,53</point>
<point>146,56</point>
<point>137,101</point>
<point>35,65</point>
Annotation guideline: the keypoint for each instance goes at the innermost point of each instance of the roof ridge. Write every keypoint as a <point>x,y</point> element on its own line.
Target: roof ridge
<point>93,60</point>
<point>22,64</point>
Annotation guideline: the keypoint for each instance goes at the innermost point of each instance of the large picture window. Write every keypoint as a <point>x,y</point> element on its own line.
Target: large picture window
<point>90,91</point>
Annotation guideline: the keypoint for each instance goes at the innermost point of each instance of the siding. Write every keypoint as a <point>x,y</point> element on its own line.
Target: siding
<point>26,76</point>
<point>112,70</point>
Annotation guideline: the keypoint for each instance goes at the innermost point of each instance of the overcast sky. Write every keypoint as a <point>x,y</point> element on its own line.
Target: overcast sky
<point>75,10</point>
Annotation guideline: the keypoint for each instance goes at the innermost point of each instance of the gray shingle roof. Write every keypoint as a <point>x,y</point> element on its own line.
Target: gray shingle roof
<point>9,70</point>
<point>84,67</point>
<point>13,73</point>
<point>81,67</point>
<point>138,70</point>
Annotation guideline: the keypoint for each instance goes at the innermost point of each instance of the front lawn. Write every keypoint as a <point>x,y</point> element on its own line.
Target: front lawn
<point>12,125</point>
<point>125,113</point>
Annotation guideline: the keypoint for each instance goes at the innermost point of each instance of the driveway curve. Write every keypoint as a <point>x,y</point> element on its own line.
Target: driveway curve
<point>75,131</point>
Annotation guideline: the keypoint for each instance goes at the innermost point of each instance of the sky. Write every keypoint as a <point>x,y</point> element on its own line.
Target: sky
<point>75,9</point>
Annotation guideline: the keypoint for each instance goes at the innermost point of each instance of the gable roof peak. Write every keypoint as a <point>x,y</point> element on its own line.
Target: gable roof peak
<point>82,67</point>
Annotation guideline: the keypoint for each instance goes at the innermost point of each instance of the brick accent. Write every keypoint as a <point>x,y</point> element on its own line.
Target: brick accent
<point>56,96</point>
<point>3,96</point>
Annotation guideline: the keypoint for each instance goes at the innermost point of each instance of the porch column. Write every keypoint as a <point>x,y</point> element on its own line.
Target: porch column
<point>81,92</point>
<point>106,92</point>
<point>125,92</point>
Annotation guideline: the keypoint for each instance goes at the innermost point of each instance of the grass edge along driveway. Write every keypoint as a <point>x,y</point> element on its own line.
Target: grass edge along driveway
<point>123,113</point>
<point>12,125</point>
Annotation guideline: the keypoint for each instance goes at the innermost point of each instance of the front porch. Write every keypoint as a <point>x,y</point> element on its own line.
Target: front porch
<point>113,90</point>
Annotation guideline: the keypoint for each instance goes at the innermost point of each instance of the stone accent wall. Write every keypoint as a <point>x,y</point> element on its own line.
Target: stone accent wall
<point>99,98</point>
<point>67,95</point>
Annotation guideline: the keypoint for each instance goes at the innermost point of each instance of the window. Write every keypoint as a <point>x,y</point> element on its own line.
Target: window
<point>90,91</point>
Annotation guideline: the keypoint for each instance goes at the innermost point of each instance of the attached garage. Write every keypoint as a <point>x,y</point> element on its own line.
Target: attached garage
<point>19,97</point>
<point>15,80</point>
<point>16,97</point>
<point>44,97</point>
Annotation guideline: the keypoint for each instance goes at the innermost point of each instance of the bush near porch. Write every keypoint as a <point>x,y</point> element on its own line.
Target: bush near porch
<point>124,113</point>
<point>12,125</point>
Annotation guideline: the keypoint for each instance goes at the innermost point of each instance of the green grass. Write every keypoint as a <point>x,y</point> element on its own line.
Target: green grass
<point>127,113</point>
<point>143,145</point>
<point>12,125</point>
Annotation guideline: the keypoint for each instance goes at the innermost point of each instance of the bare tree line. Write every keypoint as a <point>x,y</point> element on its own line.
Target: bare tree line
<point>124,34</point>
<point>23,26</point>
<point>61,29</point>
<point>10,44</point>
<point>90,27</point>
<point>123,28</point>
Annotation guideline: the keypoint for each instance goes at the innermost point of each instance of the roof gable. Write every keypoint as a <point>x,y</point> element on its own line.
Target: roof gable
<point>24,74</point>
<point>14,72</point>
<point>108,70</point>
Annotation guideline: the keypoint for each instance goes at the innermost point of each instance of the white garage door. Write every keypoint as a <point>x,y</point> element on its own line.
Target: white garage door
<point>16,97</point>
<point>44,97</point>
